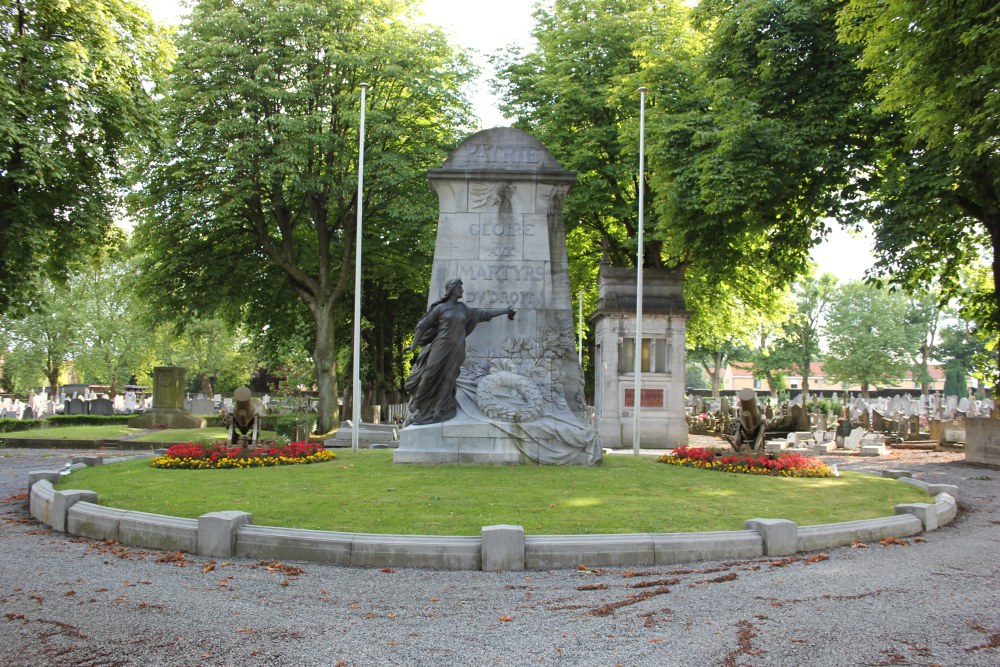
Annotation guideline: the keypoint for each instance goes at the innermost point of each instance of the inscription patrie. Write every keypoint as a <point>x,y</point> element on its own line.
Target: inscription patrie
<point>510,154</point>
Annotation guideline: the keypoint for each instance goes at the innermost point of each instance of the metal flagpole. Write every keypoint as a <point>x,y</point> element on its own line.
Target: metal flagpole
<point>637,391</point>
<point>356,412</point>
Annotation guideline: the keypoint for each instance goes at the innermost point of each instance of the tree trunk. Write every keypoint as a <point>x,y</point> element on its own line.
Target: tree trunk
<point>806,367</point>
<point>993,225</point>
<point>325,358</point>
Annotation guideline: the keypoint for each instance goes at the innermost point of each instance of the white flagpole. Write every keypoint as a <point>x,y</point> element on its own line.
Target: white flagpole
<point>637,391</point>
<point>580,350</point>
<point>356,413</point>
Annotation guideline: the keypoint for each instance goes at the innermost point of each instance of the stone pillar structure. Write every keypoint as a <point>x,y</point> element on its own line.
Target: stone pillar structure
<point>168,402</point>
<point>500,230</point>
<point>662,422</point>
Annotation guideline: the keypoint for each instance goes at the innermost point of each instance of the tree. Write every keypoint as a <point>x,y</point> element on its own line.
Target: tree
<point>813,298</point>
<point>870,336</point>
<point>251,207</point>
<point>74,84</point>
<point>213,353</point>
<point>936,205</point>
<point>714,361</point>
<point>40,344</point>
<point>115,339</point>
<point>749,169</point>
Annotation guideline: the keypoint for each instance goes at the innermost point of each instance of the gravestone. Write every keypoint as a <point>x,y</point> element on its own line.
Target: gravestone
<point>102,406</point>
<point>853,440</point>
<point>75,406</point>
<point>500,231</point>
<point>202,406</point>
<point>166,409</point>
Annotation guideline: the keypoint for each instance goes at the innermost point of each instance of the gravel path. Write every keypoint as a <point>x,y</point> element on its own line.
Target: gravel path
<point>934,600</point>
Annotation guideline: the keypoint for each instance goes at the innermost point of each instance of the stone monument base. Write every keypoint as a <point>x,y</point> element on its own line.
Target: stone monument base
<point>456,441</point>
<point>171,417</point>
<point>661,432</point>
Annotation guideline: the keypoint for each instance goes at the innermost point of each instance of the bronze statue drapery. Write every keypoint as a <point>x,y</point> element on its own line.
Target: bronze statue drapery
<point>441,338</point>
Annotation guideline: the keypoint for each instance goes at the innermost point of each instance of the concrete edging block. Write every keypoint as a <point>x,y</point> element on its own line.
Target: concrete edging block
<point>503,548</point>
<point>317,546</point>
<point>217,532</point>
<point>827,535</point>
<point>950,489</point>
<point>670,548</point>
<point>896,474</point>
<point>779,535</point>
<point>40,501</point>
<point>159,531</point>
<point>62,501</point>
<point>919,483</point>
<point>52,476</point>
<point>94,521</point>
<point>947,508</point>
<point>546,552</point>
<point>926,512</point>
<point>429,551</point>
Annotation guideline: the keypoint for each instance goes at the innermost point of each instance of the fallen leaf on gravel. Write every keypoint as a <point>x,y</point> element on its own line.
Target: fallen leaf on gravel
<point>890,541</point>
<point>277,566</point>
<point>69,594</point>
<point>858,545</point>
<point>387,570</point>
<point>592,587</point>
<point>505,618</point>
<point>655,640</point>
<point>246,630</point>
<point>14,617</point>
<point>817,558</point>
<point>208,567</point>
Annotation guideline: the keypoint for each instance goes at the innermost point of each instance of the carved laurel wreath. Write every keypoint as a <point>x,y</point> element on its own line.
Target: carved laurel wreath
<point>509,397</point>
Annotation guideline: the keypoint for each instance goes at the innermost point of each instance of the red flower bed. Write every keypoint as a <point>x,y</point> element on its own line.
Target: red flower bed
<point>223,455</point>
<point>780,465</point>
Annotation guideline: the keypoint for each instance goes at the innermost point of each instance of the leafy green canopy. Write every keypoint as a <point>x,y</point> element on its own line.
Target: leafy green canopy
<point>872,336</point>
<point>251,205</point>
<point>936,206</point>
<point>74,82</point>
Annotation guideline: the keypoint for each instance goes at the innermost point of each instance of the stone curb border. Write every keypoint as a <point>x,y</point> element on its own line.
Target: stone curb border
<point>499,548</point>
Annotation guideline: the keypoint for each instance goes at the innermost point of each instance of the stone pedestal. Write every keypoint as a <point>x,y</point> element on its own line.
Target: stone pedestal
<point>664,325</point>
<point>982,441</point>
<point>458,441</point>
<point>168,402</point>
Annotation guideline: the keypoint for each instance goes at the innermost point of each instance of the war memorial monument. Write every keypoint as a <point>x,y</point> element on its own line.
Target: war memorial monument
<point>497,379</point>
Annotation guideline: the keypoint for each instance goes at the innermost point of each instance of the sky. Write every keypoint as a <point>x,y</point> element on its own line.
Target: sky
<point>845,255</point>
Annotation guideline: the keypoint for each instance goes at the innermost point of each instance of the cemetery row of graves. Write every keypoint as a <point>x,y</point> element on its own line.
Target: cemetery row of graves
<point>854,425</point>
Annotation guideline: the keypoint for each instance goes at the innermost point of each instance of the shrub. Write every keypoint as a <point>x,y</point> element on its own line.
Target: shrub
<point>88,420</point>
<point>10,425</point>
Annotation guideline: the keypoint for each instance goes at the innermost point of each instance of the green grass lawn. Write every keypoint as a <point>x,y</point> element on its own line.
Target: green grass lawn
<point>105,432</point>
<point>366,492</point>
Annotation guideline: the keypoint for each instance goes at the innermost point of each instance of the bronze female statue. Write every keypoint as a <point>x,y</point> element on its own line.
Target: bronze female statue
<point>441,336</point>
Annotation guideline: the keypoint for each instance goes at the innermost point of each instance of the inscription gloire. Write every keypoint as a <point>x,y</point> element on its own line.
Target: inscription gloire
<point>494,153</point>
<point>502,229</point>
